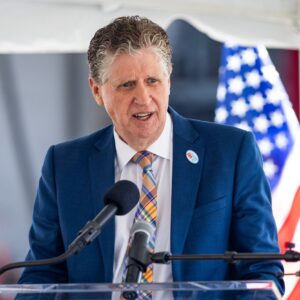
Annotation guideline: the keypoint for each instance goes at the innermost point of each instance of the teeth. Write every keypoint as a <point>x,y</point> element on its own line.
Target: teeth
<point>142,116</point>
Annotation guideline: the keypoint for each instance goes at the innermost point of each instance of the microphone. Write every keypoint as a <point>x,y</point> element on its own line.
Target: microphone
<point>138,254</point>
<point>119,200</point>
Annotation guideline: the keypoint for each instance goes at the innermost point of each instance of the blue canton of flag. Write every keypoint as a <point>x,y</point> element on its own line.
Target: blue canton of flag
<point>251,96</point>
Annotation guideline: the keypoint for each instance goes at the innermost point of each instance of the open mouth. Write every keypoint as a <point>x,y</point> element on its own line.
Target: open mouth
<point>143,116</point>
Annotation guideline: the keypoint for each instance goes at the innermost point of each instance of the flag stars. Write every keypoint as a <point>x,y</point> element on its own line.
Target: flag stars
<point>257,101</point>
<point>249,57</point>
<point>277,119</point>
<point>281,141</point>
<point>243,125</point>
<point>265,146</point>
<point>234,63</point>
<point>239,108</point>
<point>221,114</point>
<point>270,168</point>
<point>261,124</point>
<point>251,97</point>
<point>221,92</point>
<point>236,85</point>
<point>253,79</point>
<point>274,96</point>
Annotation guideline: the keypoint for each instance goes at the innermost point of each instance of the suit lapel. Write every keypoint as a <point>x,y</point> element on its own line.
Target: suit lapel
<point>185,182</point>
<point>102,176</point>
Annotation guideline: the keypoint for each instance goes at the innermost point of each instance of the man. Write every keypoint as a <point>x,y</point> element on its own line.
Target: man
<point>211,194</point>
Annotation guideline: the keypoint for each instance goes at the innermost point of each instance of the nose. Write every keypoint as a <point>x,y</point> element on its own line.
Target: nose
<point>142,95</point>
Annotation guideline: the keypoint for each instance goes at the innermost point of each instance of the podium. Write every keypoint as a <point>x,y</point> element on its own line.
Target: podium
<point>210,290</point>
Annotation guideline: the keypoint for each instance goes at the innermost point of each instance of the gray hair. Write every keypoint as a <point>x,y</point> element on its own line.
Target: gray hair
<point>126,35</point>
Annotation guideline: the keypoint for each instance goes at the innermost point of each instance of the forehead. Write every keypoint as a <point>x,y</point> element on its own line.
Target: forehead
<point>145,62</point>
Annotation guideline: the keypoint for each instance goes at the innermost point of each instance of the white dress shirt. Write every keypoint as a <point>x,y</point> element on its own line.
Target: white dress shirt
<point>162,170</point>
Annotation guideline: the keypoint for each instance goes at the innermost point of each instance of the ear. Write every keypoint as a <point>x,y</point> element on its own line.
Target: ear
<point>96,91</point>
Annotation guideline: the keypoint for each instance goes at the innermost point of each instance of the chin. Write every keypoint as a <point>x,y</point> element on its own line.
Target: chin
<point>148,137</point>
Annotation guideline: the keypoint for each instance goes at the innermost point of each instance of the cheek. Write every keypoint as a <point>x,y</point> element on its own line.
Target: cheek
<point>117,110</point>
<point>164,101</point>
<point>109,107</point>
<point>109,102</point>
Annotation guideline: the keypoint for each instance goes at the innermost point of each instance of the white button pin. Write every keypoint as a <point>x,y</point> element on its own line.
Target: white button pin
<point>192,156</point>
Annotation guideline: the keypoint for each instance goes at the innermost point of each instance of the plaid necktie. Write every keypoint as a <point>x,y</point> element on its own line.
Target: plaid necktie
<point>146,211</point>
<point>147,207</point>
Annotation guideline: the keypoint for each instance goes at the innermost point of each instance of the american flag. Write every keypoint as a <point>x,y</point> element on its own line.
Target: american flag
<point>251,96</point>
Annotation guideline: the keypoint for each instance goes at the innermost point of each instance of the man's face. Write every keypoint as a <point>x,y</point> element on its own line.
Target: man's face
<point>135,96</point>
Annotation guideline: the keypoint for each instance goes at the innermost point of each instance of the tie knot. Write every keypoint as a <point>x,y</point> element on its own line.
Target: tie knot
<point>144,159</point>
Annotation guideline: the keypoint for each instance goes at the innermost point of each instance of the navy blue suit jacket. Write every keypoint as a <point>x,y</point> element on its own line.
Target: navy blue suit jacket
<point>221,203</point>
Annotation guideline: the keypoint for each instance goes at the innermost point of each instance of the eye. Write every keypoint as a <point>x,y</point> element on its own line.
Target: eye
<point>126,85</point>
<point>152,80</point>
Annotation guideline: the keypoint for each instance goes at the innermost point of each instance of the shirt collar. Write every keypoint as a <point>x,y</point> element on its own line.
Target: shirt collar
<point>161,147</point>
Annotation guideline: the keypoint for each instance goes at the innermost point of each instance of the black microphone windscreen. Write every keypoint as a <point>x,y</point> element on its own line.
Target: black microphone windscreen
<point>124,194</point>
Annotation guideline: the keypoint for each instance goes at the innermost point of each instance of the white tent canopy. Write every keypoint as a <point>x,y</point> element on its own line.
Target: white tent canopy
<point>67,25</point>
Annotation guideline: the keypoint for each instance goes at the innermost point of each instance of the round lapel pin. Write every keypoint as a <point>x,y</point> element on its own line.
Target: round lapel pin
<point>192,156</point>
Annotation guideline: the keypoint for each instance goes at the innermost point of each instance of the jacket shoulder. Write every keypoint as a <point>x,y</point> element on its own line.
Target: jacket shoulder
<point>205,131</point>
<point>213,133</point>
<point>84,144</point>
<point>205,127</point>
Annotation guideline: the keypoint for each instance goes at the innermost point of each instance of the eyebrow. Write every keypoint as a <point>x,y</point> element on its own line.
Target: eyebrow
<point>119,81</point>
